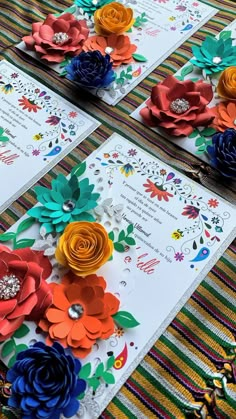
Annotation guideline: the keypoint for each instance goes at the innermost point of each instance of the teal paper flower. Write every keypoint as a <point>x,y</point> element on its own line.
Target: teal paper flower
<point>90,6</point>
<point>214,55</point>
<point>67,201</point>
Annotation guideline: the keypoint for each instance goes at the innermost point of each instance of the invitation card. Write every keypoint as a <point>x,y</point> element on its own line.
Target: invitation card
<point>37,129</point>
<point>147,32</point>
<point>123,242</point>
<point>215,66</point>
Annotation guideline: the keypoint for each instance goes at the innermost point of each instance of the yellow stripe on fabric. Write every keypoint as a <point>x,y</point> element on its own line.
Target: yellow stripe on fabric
<point>226,271</point>
<point>215,302</point>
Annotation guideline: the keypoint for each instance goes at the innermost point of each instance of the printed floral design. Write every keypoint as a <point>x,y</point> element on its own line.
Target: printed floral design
<point>157,191</point>
<point>37,137</point>
<point>113,18</point>
<point>57,36</point>
<point>225,113</point>
<point>191,212</point>
<point>53,120</point>
<point>119,332</point>
<point>90,6</point>
<point>127,170</point>
<point>81,313</point>
<point>223,152</point>
<point>84,247</point>
<point>176,235</point>
<point>179,256</point>
<point>226,87</point>
<point>178,107</point>
<point>28,105</point>
<point>213,203</point>
<point>118,47</point>
<point>67,201</point>
<point>24,293</point>
<point>45,382</point>
<point>132,152</point>
<point>7,88</point>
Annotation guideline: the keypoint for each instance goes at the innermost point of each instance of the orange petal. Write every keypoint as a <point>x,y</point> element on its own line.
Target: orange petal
<point>78,331</point>
<point>55,316</point>
<point>60,330</point>
<point>92,324</point>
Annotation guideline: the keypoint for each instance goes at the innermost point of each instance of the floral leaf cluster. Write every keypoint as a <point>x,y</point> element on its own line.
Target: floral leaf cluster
<point>123,239</point>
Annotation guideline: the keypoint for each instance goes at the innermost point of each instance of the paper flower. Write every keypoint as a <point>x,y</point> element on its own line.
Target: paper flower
<point>113,18</point>
<point>157,191</point>
<point>81,313</point>
<point>191,212</point>
<point>90,6</point>
<point>223,152</point>
<point>117,46</point>
<point>225,116</point>
<point>67,201</point>
<point>179,106</point>
<point>57,36</point>
<point>227,84</point>
<point>45,382</point>
<point>214,55</point>
<point>24,293</point>
<point>84,247</point>
<point>91,70</point>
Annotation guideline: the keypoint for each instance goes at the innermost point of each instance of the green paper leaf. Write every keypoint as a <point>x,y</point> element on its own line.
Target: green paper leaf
<point>94,383</point>
<point>25,224</point>
<point>79,169</point>
<point>139,57</point>
<point>130,228</point>
<point>80,396</point>
<point>201,149</point>
<point>21,244</point>
<point>225,35</point>
<point>125,319</point>
<point>71,9</point>
<point>199,141</point>
<point>208,132</point>
<point>130,241</point>
<point>121,235</point>
<point>21,347</point>
<point>5,237</point>
<point>85,371</point>
<point>8,348</point>
<point>12,361</point>
<point>110,362</point>
<point>109,378</point>
<point>111,235</point>
<point>63,73</point>
<point>193,134</point>
<point>119,247</point>
<point>99,370</point>
<point>21,332</point>
<point>187,70</point>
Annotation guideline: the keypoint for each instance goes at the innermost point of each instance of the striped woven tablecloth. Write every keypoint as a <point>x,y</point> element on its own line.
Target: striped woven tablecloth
<point>179,377</point>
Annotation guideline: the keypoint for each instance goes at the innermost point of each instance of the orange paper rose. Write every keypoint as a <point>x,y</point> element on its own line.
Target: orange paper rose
<point>84,247</point>
<point>113,18</point>
<point>227,84</point>
<point>80,314</point>
<point>225,116</point>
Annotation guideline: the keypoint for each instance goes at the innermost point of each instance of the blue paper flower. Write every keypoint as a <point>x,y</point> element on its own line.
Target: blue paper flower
<point>223,152</point>
<point>90,6</point>
<point>45,382</point>
<point>91,69</point>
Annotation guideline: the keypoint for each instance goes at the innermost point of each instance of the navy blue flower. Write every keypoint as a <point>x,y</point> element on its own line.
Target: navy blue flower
<point>223,152</point>
<point>91,69</point>
<point>45,382</point>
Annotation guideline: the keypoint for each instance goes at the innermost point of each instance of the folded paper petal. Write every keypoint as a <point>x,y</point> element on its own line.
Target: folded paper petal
<point>113,18</point>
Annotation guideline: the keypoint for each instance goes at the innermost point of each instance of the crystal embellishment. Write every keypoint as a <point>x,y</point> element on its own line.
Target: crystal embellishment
<point>9,287</point>
<point>68,205</point>
<point>109,50</point>
<point>95,2</point>
<point>179,106</point>
<point>75,311</point>
<point>217,60</point>
<point>60,38</point>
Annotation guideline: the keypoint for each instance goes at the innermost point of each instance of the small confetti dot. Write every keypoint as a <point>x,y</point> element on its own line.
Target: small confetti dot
<point>131,343</point>
<point>192,266</point>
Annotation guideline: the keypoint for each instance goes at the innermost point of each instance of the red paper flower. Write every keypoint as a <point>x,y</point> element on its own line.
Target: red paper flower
<point>117,46</point>
<point>81,313</point>
<point>24,293</point>
<point>179,106</point>
<point>157,191</point>
<point>57,36</point>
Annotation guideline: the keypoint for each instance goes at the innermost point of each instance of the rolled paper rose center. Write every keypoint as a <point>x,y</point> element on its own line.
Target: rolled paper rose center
<point>9,287</point>
<point>68,205</point>
<point>75,311</point>
<point>109,50</point>
<point>179,106</point>
<point>216,60</point>
<point>60,38</point>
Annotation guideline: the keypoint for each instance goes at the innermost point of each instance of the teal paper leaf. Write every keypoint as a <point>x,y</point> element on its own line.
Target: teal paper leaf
<point>187,70</point>
<point>94,383</point>
<point>208,132</point>
<point>125,319</point>
<point>225,35</point>
<point>110,362</point>
<point>21,347</point>
<point>121,235</point>
<point>130,228</point>
<point>85,371</point>
<point>99,370</point>
<point>12,361</point>
<point>201,149</point>
<point>21,244</point>
<point>5,237</point>
<point>8,348</point>
<point>21,332</point>
<point>194,134</point>
<point>79,169</point>
<point>119,247</point>
<point>139,57</point>
<point>108,377</point>
<point>25,224</point>
<point>111,235</point>
<point>130,241</point>
<point>199,141</point>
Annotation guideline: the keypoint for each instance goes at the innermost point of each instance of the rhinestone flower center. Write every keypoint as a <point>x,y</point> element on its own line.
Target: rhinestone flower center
<point>60,38</point>
<point>9,287</point>
<point>95,2</point>
<point>216,60</point>
<point>68,205</point>
<point>75,311</point>
<point>109,50</point>
<point>179,106</point>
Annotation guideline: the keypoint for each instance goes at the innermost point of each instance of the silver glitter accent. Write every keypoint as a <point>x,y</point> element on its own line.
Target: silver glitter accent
<point>9,287</point>
<point>109,50</point>
<point>75,311</point>
<point>60,38</point>
<point>179,105</point>
<point>68,205</point>
<point>95,2</point>
<point>217,60</point>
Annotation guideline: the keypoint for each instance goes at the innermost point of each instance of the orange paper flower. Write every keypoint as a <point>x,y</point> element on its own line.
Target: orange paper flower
<point>225,116</point>
<point>227,84</point>
<point>80,314</point>
<point>84,247</point>
<point>113,18</point>
<point>117,46</point>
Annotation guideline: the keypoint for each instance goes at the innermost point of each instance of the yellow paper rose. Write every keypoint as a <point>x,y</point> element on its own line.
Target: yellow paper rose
<point>113,18</point>
<point>84,247</point>
<point>227,84</point>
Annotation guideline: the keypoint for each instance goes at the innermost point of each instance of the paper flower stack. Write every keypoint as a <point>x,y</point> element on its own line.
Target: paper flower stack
<point>183,107</point>
<point>71,314</point>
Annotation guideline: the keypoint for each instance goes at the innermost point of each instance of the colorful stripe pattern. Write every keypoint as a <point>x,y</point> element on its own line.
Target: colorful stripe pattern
<point>191,370</point>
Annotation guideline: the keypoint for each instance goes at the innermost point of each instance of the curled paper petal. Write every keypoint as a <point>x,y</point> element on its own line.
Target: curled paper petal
<point>227,84</point>
<point>113,18</point>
